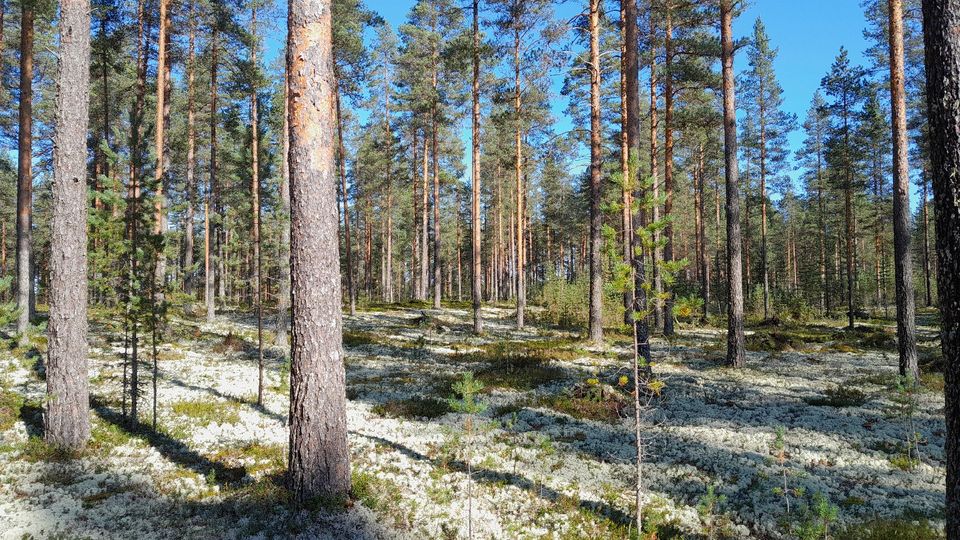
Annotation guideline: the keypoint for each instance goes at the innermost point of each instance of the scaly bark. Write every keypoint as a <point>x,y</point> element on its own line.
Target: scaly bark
<point>25,173</point>
<point>67,417</point>
<point>319,457</point>
<point>735,337</point>
<point>902,250</point>
<point>941,28</point>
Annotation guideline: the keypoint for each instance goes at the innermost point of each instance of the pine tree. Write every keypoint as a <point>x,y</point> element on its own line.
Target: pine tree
<point>319,459</point>
<point>66,419</point>
<point>844,84</point>
<point>903,258</point>
<point>813,157</point>
<point>25,173</point>
<point>765,101</point>
<point>735,338</point>
<point>943,87</point>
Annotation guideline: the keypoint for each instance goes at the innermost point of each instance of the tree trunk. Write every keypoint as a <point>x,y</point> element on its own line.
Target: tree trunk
<point>764,255</point>
<point>255,205</point>
<point>735,338</point>
<point>521,287</point>
<point>475,176</point>
<point>654,178</point>
<point>388,265</point>
<point>924,210</point>
<point>133,207</point>
<point>425,223</point>
<point>188,273</point>
<point>435,154</point>
<point>640,307</point>
<point>415,220</point>
<point>211,210</point>
<point>668,166</point>
<point>25,173</point>
<point>596,283</point>
<point>342,168</point>
<point>941,26</point>
<point>822,231</point>
<point>625,211</point>
<point>67,417</point>
<point>319,457</point>
<point>159,206</point>
<point>703,263</point>
<point>283,302</point>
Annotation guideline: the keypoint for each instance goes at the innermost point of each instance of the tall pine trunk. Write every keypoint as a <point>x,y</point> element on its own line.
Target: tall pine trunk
<point>521,285</point>
<point>67,417</point>
<point>668,165</point>
<point>596,278</point>
<point>654,176</point>
<point>640,306</point>
<point>941,28</point>
<point>342,168</point>
<point>25,172</point>
<point>189,241</point>
<point>255,204</point>
<point>319,457</point>
<point>735,338</point>
<point>283,302</point>
<point>211,210</point>
<point>435,155</point>
<point>159,204</point>
<point>475,176</point>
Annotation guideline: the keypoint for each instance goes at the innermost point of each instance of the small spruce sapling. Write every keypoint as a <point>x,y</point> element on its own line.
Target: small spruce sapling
<point>468,388</point>
<point>708,508</point>
<point>818,517</point>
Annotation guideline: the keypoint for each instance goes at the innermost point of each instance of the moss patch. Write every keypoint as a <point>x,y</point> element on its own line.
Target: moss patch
<point>415,407</point>
<point>205,412</point>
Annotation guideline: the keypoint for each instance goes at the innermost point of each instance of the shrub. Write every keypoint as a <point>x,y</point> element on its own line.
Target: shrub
<point>415,407</point>
<point>10,403</point>
<point>839,396</point>
<point>893,529</point>
<point>793,306</point>
<point>688,308</point>
<point>567,304</point>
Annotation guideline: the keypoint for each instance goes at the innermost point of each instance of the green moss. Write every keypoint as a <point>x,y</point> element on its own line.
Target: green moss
<point>378,494</point>
<point>893,529</point>
<point>35,449</point>
<point>415,407</point>
<point>520,365</point>
<point>840,396</point>
<point>610,410</point>
<point>106,436</point>
<point>205,412</point>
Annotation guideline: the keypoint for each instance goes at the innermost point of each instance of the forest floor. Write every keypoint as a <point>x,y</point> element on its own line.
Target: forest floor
<point>552,456</point>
